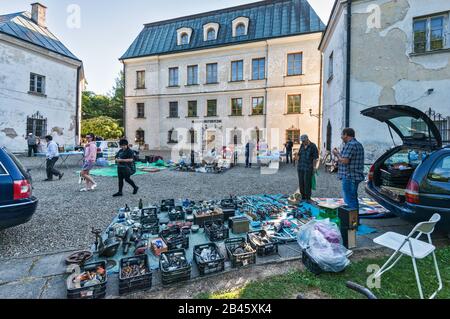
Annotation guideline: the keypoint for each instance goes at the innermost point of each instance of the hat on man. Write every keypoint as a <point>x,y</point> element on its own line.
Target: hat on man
<point>304,138</point>
<point>30,134</point>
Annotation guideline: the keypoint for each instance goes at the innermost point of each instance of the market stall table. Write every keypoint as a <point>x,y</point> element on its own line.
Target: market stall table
<point>64,157</point>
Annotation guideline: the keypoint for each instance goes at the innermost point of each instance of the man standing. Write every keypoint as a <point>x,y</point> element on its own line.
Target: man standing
<point>289,145</point>
<point>351,167</point>
<point>249,149</point>
<point>90,156</point>
<point>32,144</point>
<point>308,158</point>
<point>52,158</point>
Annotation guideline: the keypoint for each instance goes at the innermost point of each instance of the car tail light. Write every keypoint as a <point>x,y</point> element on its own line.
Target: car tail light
<point>22,189</point>
<point>412,192</point>
<point>372,170</point>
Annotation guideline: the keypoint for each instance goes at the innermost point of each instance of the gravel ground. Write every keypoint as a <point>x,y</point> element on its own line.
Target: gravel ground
<point>65,217</point>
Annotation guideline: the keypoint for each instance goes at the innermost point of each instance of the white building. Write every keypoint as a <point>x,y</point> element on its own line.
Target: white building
<point>231,75</point>
<point>398,53</point>
<point>40,82</point>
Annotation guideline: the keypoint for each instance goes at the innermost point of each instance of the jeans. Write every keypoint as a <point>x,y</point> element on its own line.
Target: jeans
<point>32,149</point>
<point>350,192</point>
<point>304,180</point>
<point>248,160</point>
<point>51,168</point>
<point>289,156</point>
<point>124,174</point>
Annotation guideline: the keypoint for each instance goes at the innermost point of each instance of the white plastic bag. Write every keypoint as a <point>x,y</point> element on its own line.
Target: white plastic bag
<point>323,241</point>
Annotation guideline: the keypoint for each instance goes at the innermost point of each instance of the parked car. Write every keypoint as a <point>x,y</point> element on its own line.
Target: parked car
<point>17,205</point>
<point>411,180</point>
<point>106,147</point>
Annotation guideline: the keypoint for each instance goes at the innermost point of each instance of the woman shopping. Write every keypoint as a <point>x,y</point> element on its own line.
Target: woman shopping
<point>125,164</point>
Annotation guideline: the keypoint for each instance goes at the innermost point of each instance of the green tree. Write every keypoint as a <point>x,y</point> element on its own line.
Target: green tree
<point>103,126</point>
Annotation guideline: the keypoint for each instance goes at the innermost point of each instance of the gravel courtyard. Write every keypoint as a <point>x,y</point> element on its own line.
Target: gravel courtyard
<point>65,217</point>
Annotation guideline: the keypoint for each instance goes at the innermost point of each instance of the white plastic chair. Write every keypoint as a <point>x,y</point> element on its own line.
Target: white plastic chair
<point>412,247</point>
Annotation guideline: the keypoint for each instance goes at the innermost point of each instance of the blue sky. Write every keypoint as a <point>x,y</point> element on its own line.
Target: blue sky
<point>108,27</point>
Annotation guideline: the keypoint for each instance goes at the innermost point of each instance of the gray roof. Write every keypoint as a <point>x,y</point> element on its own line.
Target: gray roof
<point>268,19</point>
<point>20,26</point>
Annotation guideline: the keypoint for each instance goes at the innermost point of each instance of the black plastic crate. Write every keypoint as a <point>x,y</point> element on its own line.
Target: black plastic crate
<point>91,292</point>
<point>149,215</point>
<point>152,228</point>
<point>175,238</point>
<point>216,234</point>
<point>263,249</point>
<point>242,259</point>
<point>176,213</point>
<point>139,282</point>
<point>208,267</point>
<point>310,263</point>
<point>173,276</point>
<point>167,204</point>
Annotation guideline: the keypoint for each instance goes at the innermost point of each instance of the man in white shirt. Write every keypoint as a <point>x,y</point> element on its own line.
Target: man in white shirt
<point>52,158</point>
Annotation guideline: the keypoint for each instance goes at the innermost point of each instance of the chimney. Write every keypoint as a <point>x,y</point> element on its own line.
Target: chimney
<point>38,14</point>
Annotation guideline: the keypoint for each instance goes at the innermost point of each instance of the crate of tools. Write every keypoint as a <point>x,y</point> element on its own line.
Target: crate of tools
<point>240,252</point>
<point>262,243</point>
<point>209,259</point>
<point>175,237</point>
<point>149,215</point>
<point>176,213</point>
<point>134,274</point>
<point>216,230</point>
<point>174,267</point>
<point>90,283</point>
<point>167,205</point>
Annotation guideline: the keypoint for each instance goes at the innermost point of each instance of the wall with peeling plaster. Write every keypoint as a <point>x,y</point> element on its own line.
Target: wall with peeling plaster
<point>384,70</point>
<point>59,106</point>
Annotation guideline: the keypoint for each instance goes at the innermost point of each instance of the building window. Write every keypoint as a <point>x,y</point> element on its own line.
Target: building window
<point>37,125</point>
<point>192,71</point>
<point>173,76</point>
<point>294,135</point>
<point>257,106</point>
<point>259,69</point>
<point>140,79</point>
<point>211,109</point>
<point>172,137</point>
<point>173,109</point>
<point>330,65</point>
<point>184,39</point>
<point>211,73</point>
<point>236,137</point>
<point>192,109</point>
<point>140,110</point>
<point>211,35</point>
<point>140,137</point>
<point>37,83</point>
<point>429,34</point>
<point>294,64</point>
<point>294,104</point>
<point>237,70</point>
<point>236,107</point>
<point>240,26</point>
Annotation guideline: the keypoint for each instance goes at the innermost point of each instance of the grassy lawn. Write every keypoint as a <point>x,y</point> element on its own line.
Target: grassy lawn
<point>399,282</point>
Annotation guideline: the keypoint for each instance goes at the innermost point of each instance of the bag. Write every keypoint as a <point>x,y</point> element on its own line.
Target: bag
<point>314,181</point>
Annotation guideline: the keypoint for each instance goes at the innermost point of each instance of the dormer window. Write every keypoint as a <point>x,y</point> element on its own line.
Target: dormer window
<point>184,36</point>
<point>210,31</point>
<point>240,26</point>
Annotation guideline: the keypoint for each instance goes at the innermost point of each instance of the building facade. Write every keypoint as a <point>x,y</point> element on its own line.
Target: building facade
<point>40,82</point>
<point>225,77</point>
<point>398,52</point>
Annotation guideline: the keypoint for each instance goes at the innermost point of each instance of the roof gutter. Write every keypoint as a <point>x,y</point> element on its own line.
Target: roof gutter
<point>78,108</point>
<point>348,70</point>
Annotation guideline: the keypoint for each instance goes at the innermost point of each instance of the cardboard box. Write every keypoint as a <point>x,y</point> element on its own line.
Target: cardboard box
<point>158,246</point>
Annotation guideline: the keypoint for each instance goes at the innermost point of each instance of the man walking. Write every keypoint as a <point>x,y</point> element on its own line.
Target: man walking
<point>351,167</point>
<point>308,158</point>
<point>289,145</point>
<point>249,149</point>
<point>32,144</point>
<point>52,158</point>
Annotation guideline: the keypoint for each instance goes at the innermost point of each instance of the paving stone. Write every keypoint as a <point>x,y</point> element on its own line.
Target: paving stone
<point>55,288</point>
<point>50,265</point>
<point>14,269</point>
<point>25,289</point>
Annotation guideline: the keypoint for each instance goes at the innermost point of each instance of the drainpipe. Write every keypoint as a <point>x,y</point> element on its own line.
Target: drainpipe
<point>77,108</point>
<point>320,103</point>
<point>265,94</point>
<point>124,101</point>
<point>348,71</point>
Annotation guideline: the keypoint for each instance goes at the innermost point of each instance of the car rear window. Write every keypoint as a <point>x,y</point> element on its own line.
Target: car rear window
<point>19,165</point>
<point>2,170</point>
<point>441,171</point>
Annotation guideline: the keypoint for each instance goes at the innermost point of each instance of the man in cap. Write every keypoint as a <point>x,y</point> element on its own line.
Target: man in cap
<point>32,144</point>
<point>308,159</point>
